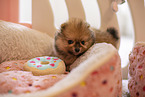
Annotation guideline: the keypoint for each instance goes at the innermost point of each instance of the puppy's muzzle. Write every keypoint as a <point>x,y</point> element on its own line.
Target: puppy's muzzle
<point>77,50</point>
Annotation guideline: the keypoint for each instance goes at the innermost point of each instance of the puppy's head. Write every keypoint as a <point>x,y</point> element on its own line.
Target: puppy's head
<point>74,37</point>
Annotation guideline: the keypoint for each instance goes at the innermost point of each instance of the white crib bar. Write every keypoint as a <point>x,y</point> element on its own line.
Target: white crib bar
<point>75,9</point>
<point>108,17</point>
<point>43,20</point>
<point>138,16</point>
<point>42,17</point>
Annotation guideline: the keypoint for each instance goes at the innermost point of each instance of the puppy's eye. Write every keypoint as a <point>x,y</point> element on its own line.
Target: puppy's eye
<point>70,41</point>
<point>82,42</point>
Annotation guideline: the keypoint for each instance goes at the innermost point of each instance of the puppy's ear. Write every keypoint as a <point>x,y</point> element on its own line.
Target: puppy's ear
<point>63,26</point>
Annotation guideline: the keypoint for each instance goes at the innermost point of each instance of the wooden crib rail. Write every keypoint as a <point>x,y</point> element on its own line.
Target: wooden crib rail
<point>43,20</point>
<point>108,17</point>
<point>137,9</point>
<point>42,17</point>
<point>75,9</point>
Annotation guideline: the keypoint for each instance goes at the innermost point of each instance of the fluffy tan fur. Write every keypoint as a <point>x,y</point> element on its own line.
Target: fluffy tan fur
<point>73,39</point>
<point>77,34</point>
<point>18,42</point>
<point>109,36</point>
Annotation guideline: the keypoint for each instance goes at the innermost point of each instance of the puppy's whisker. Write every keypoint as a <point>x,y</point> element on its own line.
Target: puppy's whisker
<point>84,46</point>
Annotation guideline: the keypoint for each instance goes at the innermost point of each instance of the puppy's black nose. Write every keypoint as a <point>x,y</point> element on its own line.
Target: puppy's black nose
<point>77,50</point>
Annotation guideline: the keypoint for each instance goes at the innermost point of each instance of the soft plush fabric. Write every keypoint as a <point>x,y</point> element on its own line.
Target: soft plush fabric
<point>18,42</point>
<point>13,79</point>
<point>17,82</point>
<point>12,65</point>
<point>137,70</point>
<point>98,75</point>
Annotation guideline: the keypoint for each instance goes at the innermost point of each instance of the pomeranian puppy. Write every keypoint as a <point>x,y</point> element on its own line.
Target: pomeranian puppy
<point>76,36</point>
